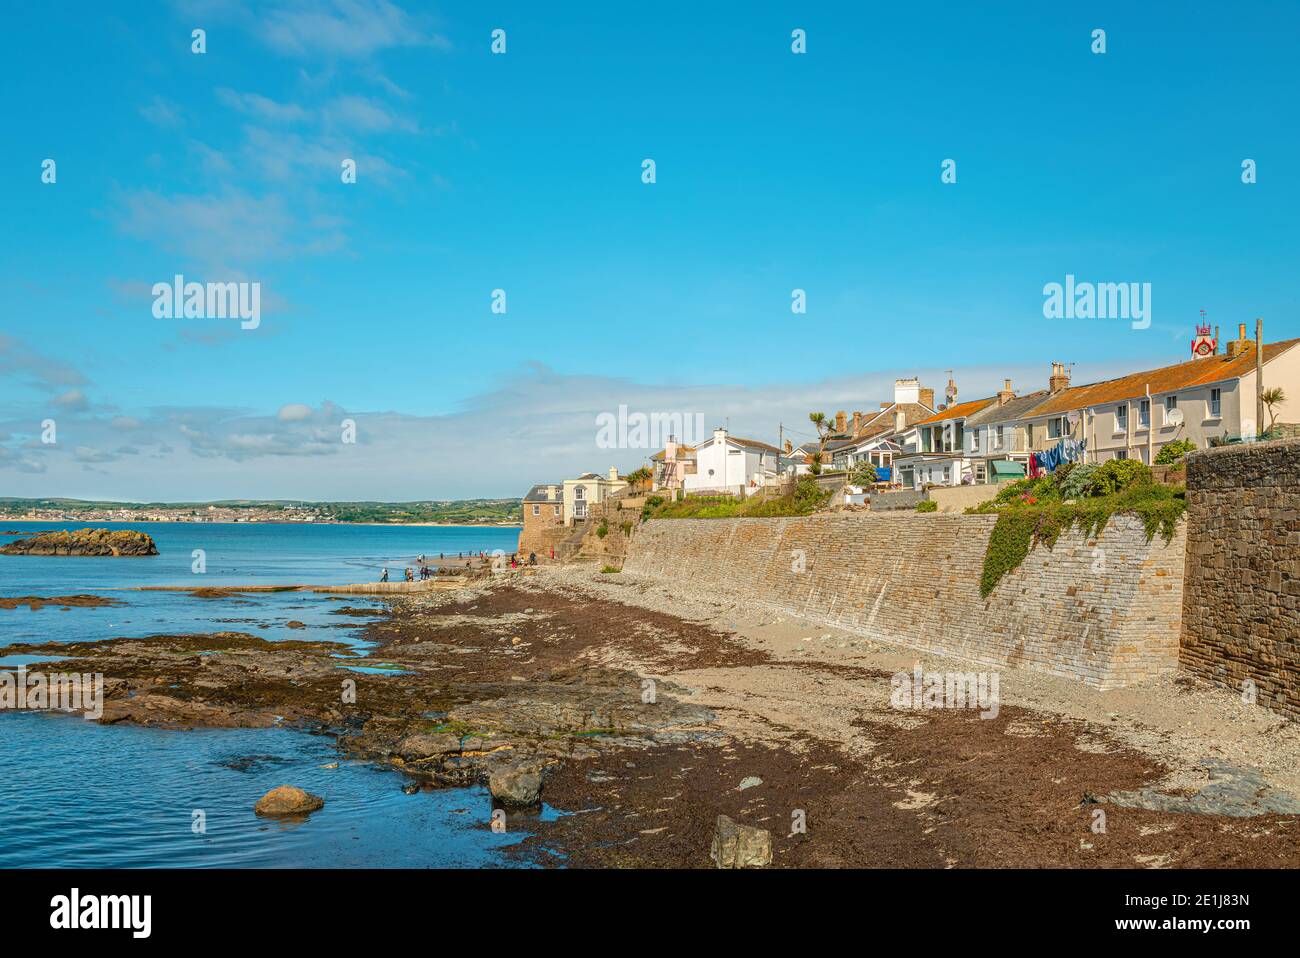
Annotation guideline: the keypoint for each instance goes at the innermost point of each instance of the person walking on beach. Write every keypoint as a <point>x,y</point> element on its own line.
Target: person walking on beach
<point>383,575</point>
<point>532,558</point>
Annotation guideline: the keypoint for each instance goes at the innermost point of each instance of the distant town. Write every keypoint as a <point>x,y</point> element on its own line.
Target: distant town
<point>432,512</point>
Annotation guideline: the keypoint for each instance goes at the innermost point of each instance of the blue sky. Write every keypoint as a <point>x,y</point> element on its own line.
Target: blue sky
<point>522,172</point>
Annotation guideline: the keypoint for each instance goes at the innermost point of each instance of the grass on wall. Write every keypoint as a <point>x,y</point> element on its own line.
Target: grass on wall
<point>806,499</point>
<point>1032,512</point>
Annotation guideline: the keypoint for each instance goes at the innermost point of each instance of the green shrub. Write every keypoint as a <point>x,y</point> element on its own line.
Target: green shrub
<point>602,530</point>
<point>863,474</point>
<point>608,569</point>
<point>806,498</point>
<point>1174,452</point>
<point>1072,479</point>
<point>1025,489</point>
<point>927,505</point>
<point>1116,475</point>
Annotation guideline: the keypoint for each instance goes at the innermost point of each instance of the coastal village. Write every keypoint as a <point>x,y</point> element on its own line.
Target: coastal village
<point>919,444</point>
<point>745,654</point>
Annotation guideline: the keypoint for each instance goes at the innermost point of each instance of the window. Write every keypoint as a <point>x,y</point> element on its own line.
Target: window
<point>1216,403</point>
<point>1171,403</point>
<point>946,473</point>
<point>975,440</point>
<point>557,510</point>
<point>1121,454</point>
<point>1144,414</point>
<point>1121,417</point>
<point>580,492</point>
<point>537,510</point>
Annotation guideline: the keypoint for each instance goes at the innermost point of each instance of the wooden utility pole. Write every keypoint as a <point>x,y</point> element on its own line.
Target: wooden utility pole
<point>1259,377</point>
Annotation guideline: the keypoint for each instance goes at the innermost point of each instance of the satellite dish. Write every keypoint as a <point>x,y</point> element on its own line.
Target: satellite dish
<point>1174,417</point>
<point>1073,417</point>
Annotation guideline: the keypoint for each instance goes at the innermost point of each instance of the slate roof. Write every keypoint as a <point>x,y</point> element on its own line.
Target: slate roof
<point>538,493</point>
<point>1017,408</point>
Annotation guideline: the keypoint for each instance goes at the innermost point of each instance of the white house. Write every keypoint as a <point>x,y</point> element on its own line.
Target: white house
<point>726,463</point>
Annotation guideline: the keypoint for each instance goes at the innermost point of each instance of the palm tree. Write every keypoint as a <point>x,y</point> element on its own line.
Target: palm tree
<point>823,425</point>
<point>1273,397</point>
<point>639,477</point>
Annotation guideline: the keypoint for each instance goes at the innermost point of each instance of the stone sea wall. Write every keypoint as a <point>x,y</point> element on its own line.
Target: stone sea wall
<point>1241,607</point>
<point>1104,611</point>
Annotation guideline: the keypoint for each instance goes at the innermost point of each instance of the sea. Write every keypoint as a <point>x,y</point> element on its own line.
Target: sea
<point>74,793</point>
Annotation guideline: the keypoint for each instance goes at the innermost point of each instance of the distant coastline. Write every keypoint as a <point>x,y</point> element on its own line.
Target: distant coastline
<point>449,512</point>
<point>508,524</point>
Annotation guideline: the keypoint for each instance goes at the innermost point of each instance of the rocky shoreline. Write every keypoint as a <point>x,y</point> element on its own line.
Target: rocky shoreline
<point>675,731</point>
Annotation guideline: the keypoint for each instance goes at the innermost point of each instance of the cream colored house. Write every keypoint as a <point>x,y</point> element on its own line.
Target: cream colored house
<point>1134,416</point>
<point>589,488</point>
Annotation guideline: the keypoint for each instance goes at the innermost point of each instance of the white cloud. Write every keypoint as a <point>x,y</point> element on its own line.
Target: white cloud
<point>365,115</point>
<point>262,107</point>
<point>294,412</point>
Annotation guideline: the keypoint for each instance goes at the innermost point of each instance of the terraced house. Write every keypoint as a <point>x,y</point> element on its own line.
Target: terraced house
<point>945,456</point>
<point>1205,399</point>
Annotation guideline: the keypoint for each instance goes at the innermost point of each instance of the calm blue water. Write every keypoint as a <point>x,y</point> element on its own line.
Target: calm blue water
<point>235,554</point>
<point>77,794</point>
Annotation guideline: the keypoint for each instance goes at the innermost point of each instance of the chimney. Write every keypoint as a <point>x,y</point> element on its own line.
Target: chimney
<point>926,398</point>
<point>1006,394</point>
<point>670,449</point>
<point>950,394</point>
<point>613,473</point>
<point>1216,340</point>
<point>900,420</point>
<point>550,493</point>
<point>789,447</point>
<point>857,422</point>
<point>1059,380</point>
<point>906,390</point>
<point>1241,344</point>
<point>841,421</point>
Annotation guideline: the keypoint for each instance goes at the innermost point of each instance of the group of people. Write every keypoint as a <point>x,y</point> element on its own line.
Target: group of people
<point>426,572</point>
<point>409,574</point>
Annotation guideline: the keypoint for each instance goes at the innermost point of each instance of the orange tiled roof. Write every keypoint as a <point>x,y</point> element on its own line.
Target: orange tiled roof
<point>1167,379</point>
<point>958,411</point>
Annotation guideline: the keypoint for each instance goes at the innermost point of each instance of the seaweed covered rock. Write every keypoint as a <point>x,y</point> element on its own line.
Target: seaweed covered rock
<point>84,542</point>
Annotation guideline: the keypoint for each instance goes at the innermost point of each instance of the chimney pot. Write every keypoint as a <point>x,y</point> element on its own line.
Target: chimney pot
<point>1059,380</point>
